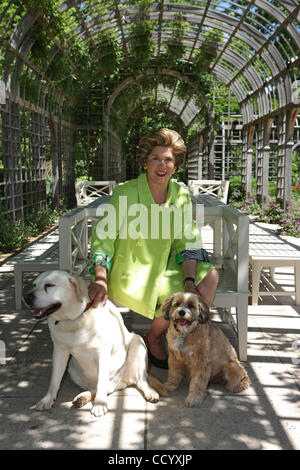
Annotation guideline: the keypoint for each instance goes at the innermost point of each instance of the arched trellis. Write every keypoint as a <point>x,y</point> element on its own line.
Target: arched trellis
<point>177,110</point>
<point>255,54</point>
<point>165,71</point>
<point>230,65</point>
<point>129,168</point>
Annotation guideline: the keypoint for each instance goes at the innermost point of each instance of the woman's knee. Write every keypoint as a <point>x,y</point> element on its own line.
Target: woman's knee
<point>208,285</point>
<point>213,276</point>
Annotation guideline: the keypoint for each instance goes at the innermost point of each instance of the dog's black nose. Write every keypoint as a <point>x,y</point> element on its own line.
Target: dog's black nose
<point>29,298</point>
<point>181,313</point>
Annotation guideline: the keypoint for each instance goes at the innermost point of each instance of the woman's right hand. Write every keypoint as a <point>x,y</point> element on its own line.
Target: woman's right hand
<point>97,291</point>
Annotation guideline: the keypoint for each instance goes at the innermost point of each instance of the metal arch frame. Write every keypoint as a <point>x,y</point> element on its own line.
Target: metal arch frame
<point>130,80</point>
<point>18,37</point>
<point>177,105</point>
<point>174,116</point>
<point>169,11</point>
<point>177,110</point>
<point>257,96</point>
<point>163,12</point>
<point>126,82</point>
<point>216,15</point>
<point>19,46</point>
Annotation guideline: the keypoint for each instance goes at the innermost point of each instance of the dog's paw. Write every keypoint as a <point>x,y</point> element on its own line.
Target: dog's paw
<point>44,404</point>
<point>169,386</point>
<point>243,385</point>
<point>99,409</point>
<point>151,396</point>
<point>194,400</point>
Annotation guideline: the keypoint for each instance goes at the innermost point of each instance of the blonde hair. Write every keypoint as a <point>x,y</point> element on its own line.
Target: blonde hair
<point>164,137</point>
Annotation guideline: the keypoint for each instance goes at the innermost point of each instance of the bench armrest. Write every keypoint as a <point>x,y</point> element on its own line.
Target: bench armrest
<point>236,245</point>
<point>73,241</point>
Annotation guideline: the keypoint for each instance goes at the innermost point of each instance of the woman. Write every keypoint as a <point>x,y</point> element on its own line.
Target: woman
<point>140,269</point>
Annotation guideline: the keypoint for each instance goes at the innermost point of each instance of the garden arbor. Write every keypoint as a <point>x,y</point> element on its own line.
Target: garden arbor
<point>80,81</point>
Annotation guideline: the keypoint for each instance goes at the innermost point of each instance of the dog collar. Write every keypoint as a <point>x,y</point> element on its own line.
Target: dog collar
<point>180,340</point>
<point>180,337</point>
<point>88,305</point>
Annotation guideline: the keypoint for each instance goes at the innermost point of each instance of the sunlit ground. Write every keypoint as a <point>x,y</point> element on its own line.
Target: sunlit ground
<point>266,416</point>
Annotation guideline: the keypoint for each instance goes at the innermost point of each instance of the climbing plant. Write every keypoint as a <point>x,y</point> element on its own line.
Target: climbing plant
<point>75,70</point>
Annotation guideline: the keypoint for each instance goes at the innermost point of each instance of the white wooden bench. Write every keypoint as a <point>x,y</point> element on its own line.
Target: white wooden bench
<point>230,256</point>
<point>267,250</point>
<point>215,188</point>
<point>87,191</point>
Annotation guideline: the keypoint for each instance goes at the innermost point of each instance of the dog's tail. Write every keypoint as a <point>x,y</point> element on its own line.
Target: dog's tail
<point>157,385</point>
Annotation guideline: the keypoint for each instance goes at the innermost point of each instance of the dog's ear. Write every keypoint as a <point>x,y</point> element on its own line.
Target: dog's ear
<point>166,305</point>
<point>203,311</point>
<point>79,286</point>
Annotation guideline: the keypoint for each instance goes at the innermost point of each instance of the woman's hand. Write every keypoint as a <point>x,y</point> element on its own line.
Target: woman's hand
<point>97,291</point>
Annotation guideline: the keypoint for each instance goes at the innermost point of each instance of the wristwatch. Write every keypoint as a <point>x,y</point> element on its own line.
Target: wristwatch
<point>190,279</point>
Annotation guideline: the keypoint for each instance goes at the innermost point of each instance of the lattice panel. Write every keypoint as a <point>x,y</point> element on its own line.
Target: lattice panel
<point>230,239</point>
<point>284,162</point>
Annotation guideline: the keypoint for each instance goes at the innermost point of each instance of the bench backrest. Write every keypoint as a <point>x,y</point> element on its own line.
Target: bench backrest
<point>88,191</point>
<point>216,188</point>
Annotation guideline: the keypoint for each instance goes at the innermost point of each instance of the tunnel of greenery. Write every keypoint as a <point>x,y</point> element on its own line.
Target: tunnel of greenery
<point>82,81</point>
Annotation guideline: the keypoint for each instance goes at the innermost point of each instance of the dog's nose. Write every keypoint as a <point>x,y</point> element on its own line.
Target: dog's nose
<point>29,298</point>
<point>181,313</point>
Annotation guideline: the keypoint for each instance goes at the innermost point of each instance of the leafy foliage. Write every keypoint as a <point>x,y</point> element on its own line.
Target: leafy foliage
<point>288,220</point>
<point>72,70</point>
<point>14,235</point>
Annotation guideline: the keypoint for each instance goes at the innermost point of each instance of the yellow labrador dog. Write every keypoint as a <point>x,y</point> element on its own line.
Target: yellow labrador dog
<point>105,356</point>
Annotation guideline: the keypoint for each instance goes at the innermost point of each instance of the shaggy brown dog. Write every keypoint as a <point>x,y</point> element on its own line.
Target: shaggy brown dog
<point>198,344</point>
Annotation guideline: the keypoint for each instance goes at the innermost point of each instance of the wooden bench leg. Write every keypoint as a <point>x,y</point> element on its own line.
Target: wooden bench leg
<point>18,286</point>
<point>242,326</point>
<point>256,271</point>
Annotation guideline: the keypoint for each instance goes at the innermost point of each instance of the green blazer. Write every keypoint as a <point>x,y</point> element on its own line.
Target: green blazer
<point>141,259</point>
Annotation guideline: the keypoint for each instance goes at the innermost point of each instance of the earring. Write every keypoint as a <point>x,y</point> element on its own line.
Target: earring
<point>145,166</point>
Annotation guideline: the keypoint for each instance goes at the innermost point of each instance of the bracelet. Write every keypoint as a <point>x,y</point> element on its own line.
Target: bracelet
<point>190,279</point>
<point>98,278</point>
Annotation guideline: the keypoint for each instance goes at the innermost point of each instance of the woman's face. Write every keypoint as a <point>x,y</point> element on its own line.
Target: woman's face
<point>160,165</point>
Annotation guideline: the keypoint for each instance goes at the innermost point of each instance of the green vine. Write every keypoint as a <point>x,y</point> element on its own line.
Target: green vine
<point>75,67</point>
<point>141,42</point>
